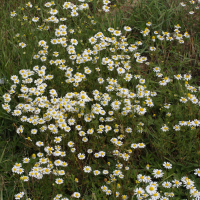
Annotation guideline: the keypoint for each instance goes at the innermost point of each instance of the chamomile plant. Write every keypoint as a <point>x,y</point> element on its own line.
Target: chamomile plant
<point>95,103</point>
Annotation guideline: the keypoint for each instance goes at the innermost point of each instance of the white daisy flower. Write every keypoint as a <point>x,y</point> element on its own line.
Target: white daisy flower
<point>76,195</point>
<point>158,173</point>
<point>35,19</point>
<point>96,172</point>
<point>127,28</point>
<point>22,44</point>
<point>87,169</point>
<point>166,184</point>
<point>59,181</point>
<point>81,156</point>
<point>167,165</point>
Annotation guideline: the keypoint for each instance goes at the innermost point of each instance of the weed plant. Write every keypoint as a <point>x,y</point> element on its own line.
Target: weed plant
<point>100,100</point>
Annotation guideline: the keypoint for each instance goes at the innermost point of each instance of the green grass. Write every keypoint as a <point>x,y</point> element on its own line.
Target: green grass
<point>180,148</point>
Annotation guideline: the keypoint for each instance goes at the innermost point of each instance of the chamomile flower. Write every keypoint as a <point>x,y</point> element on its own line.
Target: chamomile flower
<point>152,48</point>
<point>53,11</point>
<point>74,14</point>
<point>17,113</point>
<point>134,146</point>
<point>105,172</point>
<point>70,144</point>
<point>166,184</point>
<point>100,80</point>
<point>187,77</point>
<point>141,111</point>
<point>169,38</point>
<point>139,43</point>
<point>120,70</point>
<point>96,172</point>
<point>176,128</point>
<point>47,5</point>
<point>183,100</point>
<point>87,169</point>
<point>188,184</point>
<point>124,197</point>
<point>102,153</point>
<point>186,35</point>
<point>139,192</point>
<point>148,24</point>
<point>76,195</point>
<point>183,4</point>
<point>158,173</point>
<point>141,145</point>
<point>127,28</point>
<point>22,44</point>
<point>165,33</point>
<point>73,150</point>
<point>178,76</point>
<point>177,26</point>
<point>108,192</point>
<point>156,69</point>
<point>92,40</point>
<point>163,82</point>
<point>197,172</point>
<point>167,105</point>
<point>81,156</point>
<point>181,41</point>
<point>106,8</point>
<point>165,128</point>
<point>13,14</point>
<point>26,160</point>
<point>104,188</point>
<point>141,178</point>
<point>117,33</point>
<point>56,54</point>
<point>39,143</point>
<point>142,81</point>
<point>151,189</point>
<point>35,19</point>
<point>59,181</point>
<point>160,37</point>
<point>167,165</point>
<point>111,30</point>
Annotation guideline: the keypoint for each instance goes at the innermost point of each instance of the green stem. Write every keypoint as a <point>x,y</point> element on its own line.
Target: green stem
<point>24,189</point>
<point>165,179</point>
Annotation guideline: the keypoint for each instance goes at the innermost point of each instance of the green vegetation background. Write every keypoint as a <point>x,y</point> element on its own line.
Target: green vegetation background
<point>164,15</point>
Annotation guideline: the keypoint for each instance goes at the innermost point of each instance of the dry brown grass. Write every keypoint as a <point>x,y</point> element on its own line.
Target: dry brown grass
<point>126,8</point>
